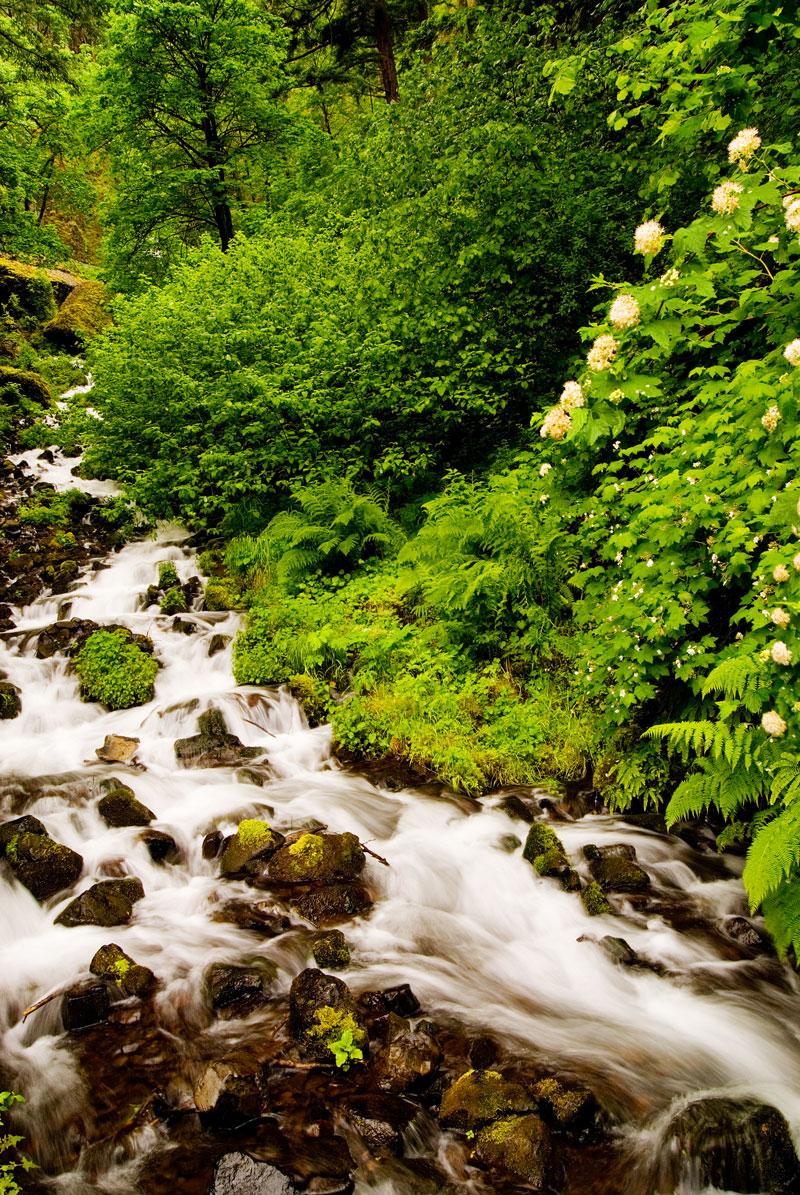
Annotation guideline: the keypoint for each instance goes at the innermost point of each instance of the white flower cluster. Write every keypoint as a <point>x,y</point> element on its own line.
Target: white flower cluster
<point>602,353</point>
<point>780,617</point>
<point>796,562</point>
<point>670,277</point>
<point>773,724</point>
<point>649,238</point>
<point>771,418</point>
<point>556,424</point>
<point>780,572</point>
<point>743,146</point>
<point>792,352</point>
<point>616,396</point>
<point>544,469</point>
<point>725,199</point>
<point>780,653</point>
<point>791,212</point>
<point>624,312</point>
<point>571,396</point>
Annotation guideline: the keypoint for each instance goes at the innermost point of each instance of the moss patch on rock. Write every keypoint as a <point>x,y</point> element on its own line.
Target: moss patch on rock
<point>518,1145</point>
<point>318,858</point>
<point>10,700</point>
<point>26,294</point>
<point>545,851</point>
<point>173,601</point>
<point>82,315</point>
<point>112,963</point>
<point>480,1096</point>
<point>115,671</point>
<point>24,382</point>
<point>594,900</point>
<point>246,851</point>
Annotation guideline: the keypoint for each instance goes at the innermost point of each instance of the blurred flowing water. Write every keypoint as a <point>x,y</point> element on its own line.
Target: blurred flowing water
<point>476,933</point>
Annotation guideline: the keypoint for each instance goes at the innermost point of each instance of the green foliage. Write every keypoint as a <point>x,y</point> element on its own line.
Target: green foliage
<point>341,1033</point>
<point>345,1050</point>
<point>115,671</point>
<point>52,508</point>
<point>173,602</point>
<point>167,575</point>
<point>11,1141</point>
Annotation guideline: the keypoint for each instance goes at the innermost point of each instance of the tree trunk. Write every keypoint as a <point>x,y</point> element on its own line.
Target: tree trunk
<point>217,188</point>
<point>383,43</point>
<point>224,222</point>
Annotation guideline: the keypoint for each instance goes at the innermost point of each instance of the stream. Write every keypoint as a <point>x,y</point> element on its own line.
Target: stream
<point>487,946</point>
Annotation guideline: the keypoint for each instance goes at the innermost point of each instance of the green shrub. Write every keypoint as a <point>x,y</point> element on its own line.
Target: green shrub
<point>52,508</point>
<point>115,671</point>
<point>167,575</point>
<point>173,602</point>
<point>83,314</point>
<point>11,1141</point>
<point>26,294</point>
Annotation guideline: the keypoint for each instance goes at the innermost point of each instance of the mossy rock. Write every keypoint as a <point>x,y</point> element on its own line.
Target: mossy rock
<point>331,950</point>
<point>246,851</point>
<point>594,900</point>
<point>111,962</point>
<point>332,902</point>
<point>220,595</point>
<point>44,866</point>
<point>167,576</point>
<point>120,807</point>
<point>316,1001</point>
<point>520,1146</point>
<point>481,1096</point>
<point>17,826</point>
<point>82,315</point>
<point>23,381</point>
<point>107,903</point>
<point>115,671</point>
<point>545,851</point>
<point>318,859</point>
<point>173,602</point>
<point>572,1108</point>
<point>26,293</point>
<point>10,701</point>
<point>618,874</point>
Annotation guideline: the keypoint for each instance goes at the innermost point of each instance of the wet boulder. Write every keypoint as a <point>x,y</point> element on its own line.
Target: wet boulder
<point>213,746</point>
<point>746,935</point>
<point>213,843</point>
<point>408,1057</point>
<point>161,847</point>
<point>731,1145</point>
<point>117,748</point>
<point>245,852</point>
<point>594,900</point>
<point>321,1012</point>
<point>330,949</point>
<point>120,807</point>
<point>519,1146</point>
<point>228,1097</point>
<point>481,1096</point>
<point>67,636</point>
<point>107,903</point>
<point>261,917</point>
<point>43,865</point>
<point>10,700</point>
<point>615,873</point>
<point>564,1107</point>
<point>618,951</point>
<point>239,1174</point>
<point>112,963</point>
<point>85,1005</point>
<point>399,1000</point>
<point>234,991</point>
<point>616,850</point>
<point>333,903</point>
<point>544,851</point>
<point>380,1121</point>
<point>19,825</point>
<point>218,643</point>
<point>318,859</point>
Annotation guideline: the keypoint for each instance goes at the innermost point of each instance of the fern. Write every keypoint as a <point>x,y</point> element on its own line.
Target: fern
<point>733,677</point>
<point>781,911</point>
<point>773,855</point>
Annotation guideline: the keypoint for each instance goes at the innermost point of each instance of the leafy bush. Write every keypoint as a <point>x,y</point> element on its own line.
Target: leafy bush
<point>11,1141</point>
<point>52,508</point>
<point>115,671</point>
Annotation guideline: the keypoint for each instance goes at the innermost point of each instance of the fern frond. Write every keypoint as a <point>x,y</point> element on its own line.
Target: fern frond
<point>773,854</point>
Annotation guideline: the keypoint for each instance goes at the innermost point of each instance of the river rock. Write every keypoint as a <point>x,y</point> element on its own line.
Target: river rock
<point>245,852</point>
<point>480,1096</point>
<point>228,1097</point>
<point>731,1145</point>
<point>618,951</point>
<point>333,903</point>
<point>109,902</point>
<point>218,643</point>
<point>399,1000</point>
<point>111,962</point>
<point>617,850</point>
<point>616,874</point>
<point>518,1145</point>
<point>317,859</point>
<point>161,846</point>
<point>545,851</point>
<point>10,700</point>
<point>213,843</point>
<point>117,748</point>
<point>239,1174</point>
<point>262,917</point>
<point>312,990</point>
<point>380,1121</point>
<point>745,934</point>
<point>408,1058</point>
<point>119,807</point>
<point>235,991</point>
<point>330,949</point>
<point>213,746</point>
<point>67,636</point>
<point>43,865</point>
<point>84,1005</point>
<point>594,900</point>
<point>523,811</point>
<point>19,825</point>
<point>563,1107</point>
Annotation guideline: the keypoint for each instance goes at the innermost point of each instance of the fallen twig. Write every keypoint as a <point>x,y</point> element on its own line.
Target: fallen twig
<point>380,858</point>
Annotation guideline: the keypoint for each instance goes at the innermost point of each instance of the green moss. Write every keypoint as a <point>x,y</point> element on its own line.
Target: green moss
<point>26,383</point>
<point>308,851</point>
<point>26,294</point>
<point>252,832</point>
<point>167,575</point>
<point>332,1023</point>
<point>115,671</point>
<point>594,900</point>
<point>544,850</point>
<point>120,968</point>
<point>220,595</point>
<point>82,315</point>
<point>313,694</point>
<point>173,602</point>
<point>11,847</point>
<point>551,862</point>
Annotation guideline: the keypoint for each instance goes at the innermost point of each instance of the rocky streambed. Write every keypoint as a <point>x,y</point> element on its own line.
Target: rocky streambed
<point>228,964</point>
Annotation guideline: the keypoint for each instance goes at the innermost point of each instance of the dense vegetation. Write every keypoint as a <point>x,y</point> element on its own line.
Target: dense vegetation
<point>470,342</point>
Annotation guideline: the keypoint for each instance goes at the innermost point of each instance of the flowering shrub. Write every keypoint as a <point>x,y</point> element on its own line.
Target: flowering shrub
<point>691,524</point>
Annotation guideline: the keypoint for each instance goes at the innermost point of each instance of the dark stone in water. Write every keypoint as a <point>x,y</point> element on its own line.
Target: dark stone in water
<point>523,811</point>
<point>615,874</point>
<point>330,949</point>
<point>617,850</point>
<point>408,1057</point>
<point>228,1097</point>
<point>10,700</point>
<point>519,1146</point>
<point>239,1174</point>
<point>119,807</point>
<point>213,746</point>
<point>619,951</point>
<point>132,979</point>
<point>483,1053</point>
<point>19,825</point>
<point>85,1005</point>
<point>734,1146</point>
<point>317,859</point>
<point>310,991</point>
<point>380,1121</point>
<point>183,626</point>
<point>44,866</point>
<point>218,643</point>
<point>262,918</point>
<point>333,903</point>
<point>109,902</point>
<point>212,844</point>
<point>161,846</point>
<point>399,1000</point>
<point>746,934</point>
<point>236,991</point>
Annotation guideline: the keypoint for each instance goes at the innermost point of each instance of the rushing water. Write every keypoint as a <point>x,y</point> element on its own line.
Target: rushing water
<point>478,936</point>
